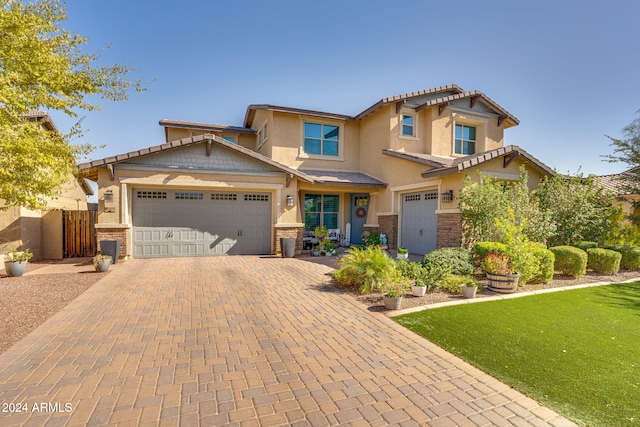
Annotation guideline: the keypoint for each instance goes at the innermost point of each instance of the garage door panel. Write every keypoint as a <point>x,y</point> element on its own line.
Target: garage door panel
<point>419,221</point>
<point>187,223</point>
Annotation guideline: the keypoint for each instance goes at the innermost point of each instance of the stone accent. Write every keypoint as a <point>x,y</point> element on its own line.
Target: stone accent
<point>121,234</point>
<point>389,226</point>
<point>449,230</point>
<point>284,232</point>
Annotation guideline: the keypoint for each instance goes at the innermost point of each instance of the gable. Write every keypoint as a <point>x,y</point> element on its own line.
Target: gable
<point>195,157</point>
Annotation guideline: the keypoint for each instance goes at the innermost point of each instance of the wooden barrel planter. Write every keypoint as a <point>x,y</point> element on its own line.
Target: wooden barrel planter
<point>503,283</point>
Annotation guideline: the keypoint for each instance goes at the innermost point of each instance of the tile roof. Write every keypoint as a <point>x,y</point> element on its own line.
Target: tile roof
<point>355,179</point>
<point>251,109</point>
<point>86,167</point>
<point>615,182</point>
<point>43,117</point>
<point>205,126</point>
<point>444,166</point>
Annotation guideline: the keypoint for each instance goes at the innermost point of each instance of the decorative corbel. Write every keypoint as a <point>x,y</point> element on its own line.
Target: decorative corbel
<point>208,147</point>
<point>112,174</point>
<point>501,119</point>
<point>441,108</point>
<point>506,160</point>
<point>472,100</point>
<point>399,106</point>
<point>288,180</point>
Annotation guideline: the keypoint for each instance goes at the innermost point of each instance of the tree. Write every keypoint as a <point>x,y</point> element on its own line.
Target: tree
<point>42,67</point>
<point>627,150</point>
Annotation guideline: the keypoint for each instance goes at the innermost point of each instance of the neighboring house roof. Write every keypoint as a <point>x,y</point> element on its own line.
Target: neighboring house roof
<point>206,138</point>
<point>445,166</point>
<point>206,126</point>
<point>43,117</point>
<point>616,182</point>
<point>353,179</point>
<point>441,96</point>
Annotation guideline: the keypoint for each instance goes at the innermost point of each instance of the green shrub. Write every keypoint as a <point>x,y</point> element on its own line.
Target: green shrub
<point>453,283</point>
<point>570,260</point>
<point>416,272</point>
<point>584,245</point>
<point>546,260</point>
<point>630,257</point>
<point>482,249</point>
<point>603,260</point>
<point>369,268</point>
<point>458,260</point>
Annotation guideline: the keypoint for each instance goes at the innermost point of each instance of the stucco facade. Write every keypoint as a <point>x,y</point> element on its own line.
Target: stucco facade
<point>375,171</point>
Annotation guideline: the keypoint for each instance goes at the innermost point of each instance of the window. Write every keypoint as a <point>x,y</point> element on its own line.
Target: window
<point>185,195</point>
<point>408,125</point>
<point>465,140</point>
<point>321,139</point>
<point>262,135</point>
<point>229,139</point>
<point>321,209</point>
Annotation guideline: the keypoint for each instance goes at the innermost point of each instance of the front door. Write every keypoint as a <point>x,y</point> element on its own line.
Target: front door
<point>358,217</point>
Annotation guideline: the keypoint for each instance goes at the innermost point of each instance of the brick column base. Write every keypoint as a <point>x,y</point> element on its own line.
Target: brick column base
<point>284,232</point>
<point>121,234</point>
<point>449,230</point>
<point>389,226</point>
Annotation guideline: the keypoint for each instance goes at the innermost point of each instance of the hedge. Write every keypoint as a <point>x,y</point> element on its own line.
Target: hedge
<point>546,259</point>
<point>584,245</point>
<point>630,256</point>
<point>458,260</point>
<point>570,260</point>
<point>604,260</point>
<point>482,249</point>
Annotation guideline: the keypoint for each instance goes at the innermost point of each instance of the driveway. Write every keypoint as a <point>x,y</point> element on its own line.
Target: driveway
<point>243,341</point>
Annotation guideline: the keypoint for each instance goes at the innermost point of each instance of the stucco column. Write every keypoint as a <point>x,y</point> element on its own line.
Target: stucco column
<point>372,213</point>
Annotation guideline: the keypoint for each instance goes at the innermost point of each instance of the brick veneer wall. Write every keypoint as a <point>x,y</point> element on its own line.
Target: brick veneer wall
<point>389,226</point>
<point>284,232</point>
<point>115,234</point>
<point>449,230</point>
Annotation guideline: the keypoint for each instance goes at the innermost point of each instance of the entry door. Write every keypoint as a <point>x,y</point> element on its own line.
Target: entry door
<point>419,221</point>
<point>358,217</point>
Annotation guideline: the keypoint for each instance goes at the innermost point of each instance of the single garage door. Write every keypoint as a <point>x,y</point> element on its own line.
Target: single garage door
<point>419,221</point>
<point>171,223</point>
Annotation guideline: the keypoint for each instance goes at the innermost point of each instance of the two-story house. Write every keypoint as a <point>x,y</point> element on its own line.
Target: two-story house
<point>397,168</point>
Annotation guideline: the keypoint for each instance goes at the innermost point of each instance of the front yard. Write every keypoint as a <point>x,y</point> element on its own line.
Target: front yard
<point>576,352</point>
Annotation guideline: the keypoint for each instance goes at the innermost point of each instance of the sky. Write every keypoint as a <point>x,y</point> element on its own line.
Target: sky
<point>568,70</point>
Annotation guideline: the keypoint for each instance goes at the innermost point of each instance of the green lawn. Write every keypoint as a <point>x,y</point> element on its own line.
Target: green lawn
<point>577,351</point>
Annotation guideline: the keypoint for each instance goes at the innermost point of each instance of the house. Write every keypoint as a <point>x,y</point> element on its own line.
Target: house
<point>41,231</point>
<point>397,167</point>
<point>618,185</point>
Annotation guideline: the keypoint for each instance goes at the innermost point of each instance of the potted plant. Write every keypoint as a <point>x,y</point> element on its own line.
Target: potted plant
<point>322,234</point>
<point>470,288</point>
<point>394,287</point>
<point>102,262</point>
<point>330,248</point>
<point>418,288</point>
<point>500,275</point>
<point>16,262</point>
<point>402,253</point>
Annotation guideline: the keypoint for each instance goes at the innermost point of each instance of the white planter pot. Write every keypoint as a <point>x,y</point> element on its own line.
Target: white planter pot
<point>418,291</point>
<point>469,291</point>
<point>402,256</point>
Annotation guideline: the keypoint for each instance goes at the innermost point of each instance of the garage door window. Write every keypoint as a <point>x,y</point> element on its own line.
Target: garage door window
<point>182,195</point>
<point>151,195</point>
<point>321,209</point>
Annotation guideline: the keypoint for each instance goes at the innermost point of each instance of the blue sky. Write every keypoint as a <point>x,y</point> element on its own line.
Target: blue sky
<point>568,70</point>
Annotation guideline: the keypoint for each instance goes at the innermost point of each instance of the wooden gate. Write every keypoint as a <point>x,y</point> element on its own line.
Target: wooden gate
<point>79,228</point>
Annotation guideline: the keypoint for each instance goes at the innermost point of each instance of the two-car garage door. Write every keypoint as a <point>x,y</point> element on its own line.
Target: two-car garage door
<point>170,223</point>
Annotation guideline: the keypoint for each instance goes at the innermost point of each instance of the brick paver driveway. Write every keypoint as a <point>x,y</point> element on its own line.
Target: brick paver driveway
<point>240,341</point>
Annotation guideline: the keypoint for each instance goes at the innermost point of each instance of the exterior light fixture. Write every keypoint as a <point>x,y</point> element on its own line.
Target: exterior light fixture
<point>108,196</point>
<point>447,196</point>
<point>289,201</point>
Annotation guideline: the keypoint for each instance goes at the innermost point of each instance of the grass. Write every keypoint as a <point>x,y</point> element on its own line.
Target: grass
<point>577,352</point>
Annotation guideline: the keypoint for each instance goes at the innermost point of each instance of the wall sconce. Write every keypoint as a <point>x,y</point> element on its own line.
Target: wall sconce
<point>446,197</point>
<point>108,196</point>
<point>289,201</point>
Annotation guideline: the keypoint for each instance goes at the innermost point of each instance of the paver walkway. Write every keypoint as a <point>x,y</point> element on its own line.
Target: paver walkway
<point>241,341</point>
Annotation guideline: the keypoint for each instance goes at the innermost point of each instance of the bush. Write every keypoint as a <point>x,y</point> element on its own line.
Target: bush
<point>453,283</point>
<point>603,260</point>
<point>584,245</point>
<point>546,259</point>
<point>369,268</point>
<point>458,260</point>
<point>414,271</point>
<point>570,260</point>
<point>630,256</point>
<point>482,249</point>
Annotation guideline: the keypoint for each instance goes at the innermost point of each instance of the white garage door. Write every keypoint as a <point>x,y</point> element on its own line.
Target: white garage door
<point>169,223</point>
<point>419,221</point>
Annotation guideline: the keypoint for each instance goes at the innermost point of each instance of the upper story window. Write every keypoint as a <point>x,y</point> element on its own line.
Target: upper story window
<point>263,134</point>
<point>408,125</point>
<point>321,139</point>
<point>465,140</point>
<point>229,139</point>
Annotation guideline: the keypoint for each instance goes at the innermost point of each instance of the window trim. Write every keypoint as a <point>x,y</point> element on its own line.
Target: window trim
<point>402,135</point>
<point>340,125</point>
<point>263,134</point>
<point>480,123</point>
